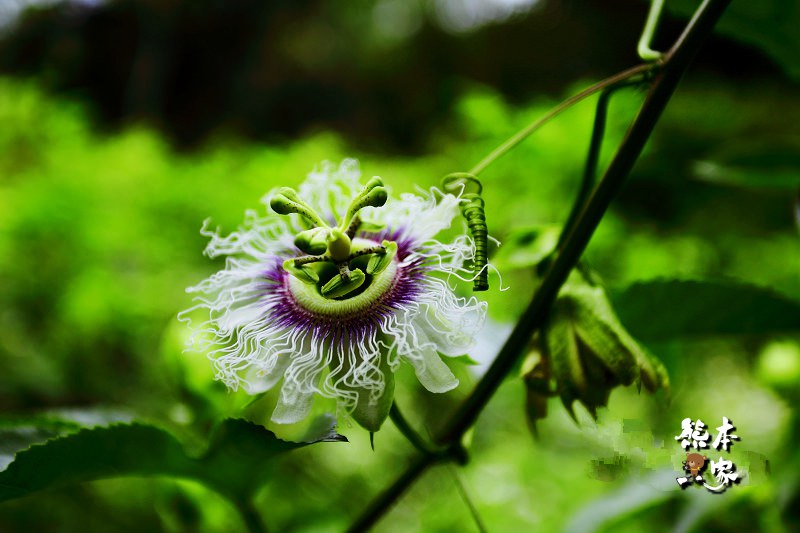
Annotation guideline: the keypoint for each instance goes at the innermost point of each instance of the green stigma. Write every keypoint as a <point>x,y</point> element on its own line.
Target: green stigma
<point>338,265</point>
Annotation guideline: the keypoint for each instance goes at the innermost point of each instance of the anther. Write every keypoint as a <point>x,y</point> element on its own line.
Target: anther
<point>313,241</point>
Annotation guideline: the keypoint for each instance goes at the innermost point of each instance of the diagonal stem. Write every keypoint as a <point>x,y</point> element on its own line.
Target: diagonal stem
<point>250,516</point>
<point>676,61</point>
<point>387,498</point>
<point>408,432</point>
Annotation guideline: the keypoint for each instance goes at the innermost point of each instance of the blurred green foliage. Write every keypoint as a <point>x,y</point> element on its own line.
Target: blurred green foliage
<point>98,239</point>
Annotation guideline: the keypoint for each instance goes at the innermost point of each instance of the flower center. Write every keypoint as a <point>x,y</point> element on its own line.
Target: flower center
<point>310,297</point>
<point>338,266</point>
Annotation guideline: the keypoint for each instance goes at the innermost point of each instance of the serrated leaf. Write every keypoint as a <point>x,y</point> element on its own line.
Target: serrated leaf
<point>323,429</point>
<point>94,454</point>
<point>15,438</point>
<point>667,309</point>
<point>235,463</point>
<point>20,432</point>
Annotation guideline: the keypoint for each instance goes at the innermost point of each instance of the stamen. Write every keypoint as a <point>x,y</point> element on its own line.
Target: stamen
<point>343,284</point>
<point>306,259</point>
<point>370,250</point>
<point>313,241</point>
<point>309,298</point>
<point>304,273</point>
<point>380,261</point>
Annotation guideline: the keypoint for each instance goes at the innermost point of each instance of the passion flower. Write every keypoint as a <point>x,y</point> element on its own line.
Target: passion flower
<point>330,291</point>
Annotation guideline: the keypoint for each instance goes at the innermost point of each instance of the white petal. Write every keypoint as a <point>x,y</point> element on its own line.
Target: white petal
<point>450,322</point>
<point>261,378</point>
<point>449,332</point>
<point>421,216</point>
<point>434,219</point>
<point>242,316</point>
<point>293,406</point>
<point>429,367</point>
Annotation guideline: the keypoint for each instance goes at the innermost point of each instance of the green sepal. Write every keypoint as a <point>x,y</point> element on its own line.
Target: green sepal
<point>561,347</point>
<point>338,286</point>
<point>609,340</point>
<point>590,351</point>
<point>369,415</point>
<point>654,374</point>
<point>379,261</point>
<point>305,273</point>
<point>536,378</point>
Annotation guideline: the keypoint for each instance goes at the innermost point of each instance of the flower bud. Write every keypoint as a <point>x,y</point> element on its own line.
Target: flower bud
<point>589,350</point>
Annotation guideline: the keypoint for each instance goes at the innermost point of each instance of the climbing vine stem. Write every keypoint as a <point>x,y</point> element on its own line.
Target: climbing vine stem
<point>595,145</point>
<point>674,63</point>
<point>526,132</point>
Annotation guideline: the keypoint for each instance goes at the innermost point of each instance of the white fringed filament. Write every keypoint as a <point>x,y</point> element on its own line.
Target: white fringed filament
<point>250,349</point>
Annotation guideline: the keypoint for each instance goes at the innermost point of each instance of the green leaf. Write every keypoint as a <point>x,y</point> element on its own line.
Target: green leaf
<point>461,359</point>
<point>774,163</point>
<point>15,438</point>
<point>769,25</point>
<point>20,432</point>
<point>667,309</point>
<point>323,428</point>
<point>527,247</point>
<point>236,462</point>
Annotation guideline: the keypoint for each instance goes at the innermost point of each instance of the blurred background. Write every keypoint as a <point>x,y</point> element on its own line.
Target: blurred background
<point>124,124</point>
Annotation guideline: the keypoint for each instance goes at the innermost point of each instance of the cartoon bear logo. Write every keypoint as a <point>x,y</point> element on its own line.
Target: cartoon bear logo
<point>695,464</point>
